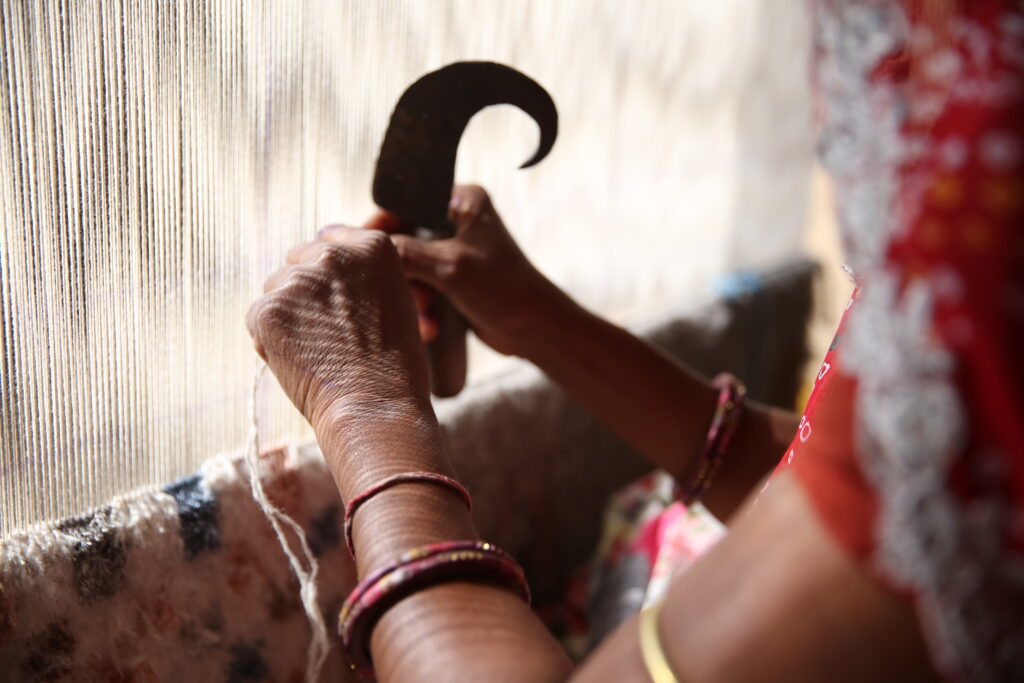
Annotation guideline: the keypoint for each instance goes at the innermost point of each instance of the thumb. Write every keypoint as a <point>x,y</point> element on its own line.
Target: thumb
<point>424,260</point>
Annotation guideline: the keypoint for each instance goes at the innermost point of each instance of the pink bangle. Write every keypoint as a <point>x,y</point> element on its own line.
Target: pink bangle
<point>702,470</point>
<point>393,480</point>
<point>414,570</point>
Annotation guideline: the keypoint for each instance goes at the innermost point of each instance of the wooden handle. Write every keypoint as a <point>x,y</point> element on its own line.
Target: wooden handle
<point>447,353</point>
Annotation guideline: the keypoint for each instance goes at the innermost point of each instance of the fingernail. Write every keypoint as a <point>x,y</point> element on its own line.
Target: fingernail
<point>327,230</point>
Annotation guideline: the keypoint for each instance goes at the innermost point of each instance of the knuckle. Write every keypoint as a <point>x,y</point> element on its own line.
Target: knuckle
<point>377,242</point>
<point>376,249</point>
<point>330,252</point>
<point>310,284</point>
<point>457,266</point>
<point>332,256</point>
<point>278,310</point>
<point>478,196</point>
<point>297,283</point>
<point>271,314</point>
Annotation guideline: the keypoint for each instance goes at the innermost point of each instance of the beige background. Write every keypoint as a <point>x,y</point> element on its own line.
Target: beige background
<point>158,159</point>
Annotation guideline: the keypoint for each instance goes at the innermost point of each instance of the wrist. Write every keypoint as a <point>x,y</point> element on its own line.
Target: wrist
<point>367,441</point>
<point>365,438</point>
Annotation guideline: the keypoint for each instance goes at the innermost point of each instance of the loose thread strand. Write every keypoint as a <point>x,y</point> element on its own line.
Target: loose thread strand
<point>319,643</point>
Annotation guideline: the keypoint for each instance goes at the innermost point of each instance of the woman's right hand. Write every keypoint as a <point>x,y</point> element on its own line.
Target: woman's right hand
<point>481,270</point>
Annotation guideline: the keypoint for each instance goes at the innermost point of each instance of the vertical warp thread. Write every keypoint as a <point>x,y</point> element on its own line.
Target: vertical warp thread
<point>316,652</point>
<point>158,159</point>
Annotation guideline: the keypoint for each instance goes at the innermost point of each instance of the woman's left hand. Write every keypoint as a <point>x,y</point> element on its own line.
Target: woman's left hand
<point>338,328</point>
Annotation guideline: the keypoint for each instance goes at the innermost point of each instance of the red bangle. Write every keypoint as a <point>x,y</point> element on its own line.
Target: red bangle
<point>731,394</point>
<point>403,478</point>
<point>413,570</point>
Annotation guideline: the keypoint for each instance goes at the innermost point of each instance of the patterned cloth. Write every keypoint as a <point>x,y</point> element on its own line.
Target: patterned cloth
<point>648,539</point>
<point>912,446</point>
<point>185,582</point>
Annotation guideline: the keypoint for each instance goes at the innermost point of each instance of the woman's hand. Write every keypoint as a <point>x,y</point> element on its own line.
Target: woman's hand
<point>481,269</point>
<point>337,326</point>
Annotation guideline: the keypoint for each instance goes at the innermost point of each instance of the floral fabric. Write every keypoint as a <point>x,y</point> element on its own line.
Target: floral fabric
<point>648,539</point>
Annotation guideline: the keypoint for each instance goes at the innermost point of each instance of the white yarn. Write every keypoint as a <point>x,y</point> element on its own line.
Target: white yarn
<point>157,159</point>
<point>319,643</point>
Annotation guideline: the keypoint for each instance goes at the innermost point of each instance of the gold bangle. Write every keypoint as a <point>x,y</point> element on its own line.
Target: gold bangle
<point>650,646</point>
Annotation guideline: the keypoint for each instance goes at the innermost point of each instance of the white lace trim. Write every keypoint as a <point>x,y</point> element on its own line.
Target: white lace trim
<point>911,421</point>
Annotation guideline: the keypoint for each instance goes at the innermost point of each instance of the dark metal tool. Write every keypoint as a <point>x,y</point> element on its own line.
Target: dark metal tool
<point>416,169</point>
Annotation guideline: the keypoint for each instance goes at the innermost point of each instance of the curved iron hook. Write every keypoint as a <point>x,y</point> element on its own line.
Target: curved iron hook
<point>416,167</point>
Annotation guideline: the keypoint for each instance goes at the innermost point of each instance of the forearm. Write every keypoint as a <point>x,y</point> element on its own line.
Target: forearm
<point>452,631</point>
<point>658,406</point>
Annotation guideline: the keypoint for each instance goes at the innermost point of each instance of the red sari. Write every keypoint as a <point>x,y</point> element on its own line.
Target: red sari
<point>911,448</point>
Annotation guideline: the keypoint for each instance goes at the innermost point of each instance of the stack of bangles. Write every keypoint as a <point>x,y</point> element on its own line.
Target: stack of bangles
<point>729,407</point>
<point>417,569</point>
<point>698,478</point>
<point>479,561</point>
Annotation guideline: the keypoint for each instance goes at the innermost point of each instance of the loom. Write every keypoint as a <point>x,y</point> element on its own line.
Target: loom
<point>158,159</point>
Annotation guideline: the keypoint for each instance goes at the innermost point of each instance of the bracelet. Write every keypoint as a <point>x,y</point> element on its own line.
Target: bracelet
<point>703,469</point>
<point>414,570</point>
<point>403,478</point>
<point>655,662</point>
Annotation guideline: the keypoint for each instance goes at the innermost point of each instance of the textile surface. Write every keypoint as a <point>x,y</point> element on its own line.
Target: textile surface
<point>648,539</point>
<point>186,582</point>
<point>158,159</point>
